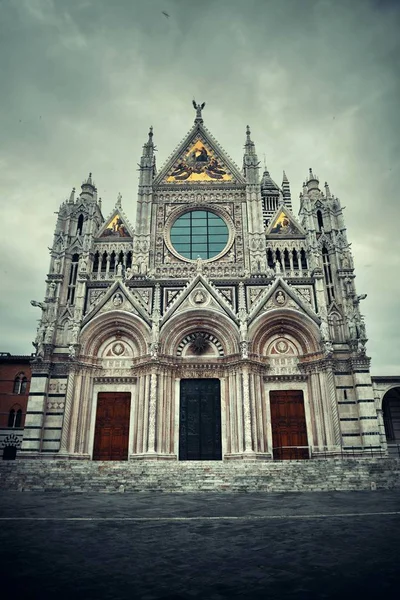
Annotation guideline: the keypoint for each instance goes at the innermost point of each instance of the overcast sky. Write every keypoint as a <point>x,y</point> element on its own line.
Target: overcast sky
<point>316,80</point>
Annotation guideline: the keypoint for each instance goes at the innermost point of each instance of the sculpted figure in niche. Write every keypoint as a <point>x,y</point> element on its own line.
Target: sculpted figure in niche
<point>83,265</point>
<point>56,265</point>
<point>324,330</point>
<point>345,261</point>
<point>277,267</point>
<point>199,297</point>
<point>280,298</point>
<point>118,299</point>
<point>52,290</point>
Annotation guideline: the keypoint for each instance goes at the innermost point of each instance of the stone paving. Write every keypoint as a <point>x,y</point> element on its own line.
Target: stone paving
<point>153,546</point>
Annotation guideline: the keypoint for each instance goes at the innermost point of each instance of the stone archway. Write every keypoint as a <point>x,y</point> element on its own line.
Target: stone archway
<point>391,419</point>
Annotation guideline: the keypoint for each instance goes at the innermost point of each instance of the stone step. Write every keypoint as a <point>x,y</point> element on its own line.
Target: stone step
<point>312,475</point>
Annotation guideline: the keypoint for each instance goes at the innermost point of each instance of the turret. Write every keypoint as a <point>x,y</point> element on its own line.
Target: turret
<point>250,160</point>
<point>88,189</point>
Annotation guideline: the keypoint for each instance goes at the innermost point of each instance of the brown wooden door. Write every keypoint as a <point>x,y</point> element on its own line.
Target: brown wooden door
<point>288,421</point>
<point>111,434</point>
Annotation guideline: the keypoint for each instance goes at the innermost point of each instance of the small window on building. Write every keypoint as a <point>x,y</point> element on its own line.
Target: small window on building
<point>20,384</point>
<point>11,418</point>
<point>15,417</point>
<point>320,220</point>
<point>79,227</point>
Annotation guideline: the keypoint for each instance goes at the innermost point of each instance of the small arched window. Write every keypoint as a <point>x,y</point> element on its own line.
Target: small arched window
<point>20,384</point>
<point>320,220</point>
<point>11,418</point>
<point>79,227</point>
<point>72,279</point>
<point>18,418</point>
<point>15,417</point>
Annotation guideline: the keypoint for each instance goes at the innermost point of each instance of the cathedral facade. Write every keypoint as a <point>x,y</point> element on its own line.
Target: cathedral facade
<point>221,327</point>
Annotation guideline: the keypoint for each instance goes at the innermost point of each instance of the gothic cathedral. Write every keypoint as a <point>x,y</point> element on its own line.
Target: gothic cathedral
<point>221,327</point>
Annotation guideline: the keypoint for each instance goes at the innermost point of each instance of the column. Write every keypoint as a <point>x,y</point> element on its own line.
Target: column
<point>69,397</point>
<point>151,446</point>
<point>248,449</point>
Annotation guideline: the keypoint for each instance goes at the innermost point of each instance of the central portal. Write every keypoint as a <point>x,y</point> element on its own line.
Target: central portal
<point>200,420</point>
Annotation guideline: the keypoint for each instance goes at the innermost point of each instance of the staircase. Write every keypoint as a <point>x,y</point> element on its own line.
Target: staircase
<point>196,476</point>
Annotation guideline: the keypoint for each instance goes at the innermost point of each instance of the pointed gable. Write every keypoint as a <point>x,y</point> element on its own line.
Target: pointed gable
<point>280,295</point>
<point>200,293</point>
<point>116,226</point>
<point>284,224</point>
<point>118,297</point>
<point>199,159</point>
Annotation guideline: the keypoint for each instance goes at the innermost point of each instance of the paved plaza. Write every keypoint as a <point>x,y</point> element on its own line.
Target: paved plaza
<point>207,546</point>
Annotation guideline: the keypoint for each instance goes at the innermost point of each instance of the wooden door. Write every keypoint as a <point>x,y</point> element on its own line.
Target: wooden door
<point>289,430</point>
<point>112,426</point>
<point>200,420</point>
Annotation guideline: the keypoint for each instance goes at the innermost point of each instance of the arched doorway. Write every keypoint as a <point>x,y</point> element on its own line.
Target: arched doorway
<point>391,419</point>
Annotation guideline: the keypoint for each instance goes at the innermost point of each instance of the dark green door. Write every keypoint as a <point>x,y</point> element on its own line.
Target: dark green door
<point>200,420</point>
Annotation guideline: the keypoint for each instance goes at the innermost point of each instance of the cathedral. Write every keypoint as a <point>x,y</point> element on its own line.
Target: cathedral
<point>220,327</point>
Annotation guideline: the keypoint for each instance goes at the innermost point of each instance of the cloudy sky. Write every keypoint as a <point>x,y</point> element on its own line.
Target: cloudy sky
<point>82,80</point>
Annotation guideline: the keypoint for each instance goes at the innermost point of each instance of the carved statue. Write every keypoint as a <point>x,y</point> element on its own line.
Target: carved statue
<point>270,272</point>
<point>345,261</point>
<point>41,305</point>
<point>199,265</point>
<point>119,269</point>
<point>244,347</point>
<point>324,330</point>
<point>72,351</point>
<point>278,267</point>
<point>280,297</point>
<point>352,328</point>
<point>56,265</point>
<point>83,265</point>
<point>75,332</point>
<point>48,338</point>
<point>198,108</point>
<point>52,290</point>
<point>118,299</point>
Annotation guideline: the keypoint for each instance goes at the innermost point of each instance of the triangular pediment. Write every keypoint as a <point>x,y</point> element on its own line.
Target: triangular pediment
<point>199,159</point>
<point>284,224</point>
<point>202,295</point>
<point>116,226</point>
<point>280,295</point>
<point>118,297</point>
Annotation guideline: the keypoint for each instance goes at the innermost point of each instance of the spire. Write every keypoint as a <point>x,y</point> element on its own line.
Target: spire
<point>148,148</point>
<point>250,159</point>
<point>72,196</point>
<point>198,108</point>
<point>118,203</point>
<point>286,190</point>
<point>249,145</point>
<point>88,188</point>
<point>312,181</point>
<point>147,166</point>
<point>327,190</point>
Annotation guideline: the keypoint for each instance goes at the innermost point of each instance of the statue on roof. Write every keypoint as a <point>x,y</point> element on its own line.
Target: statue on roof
<point>198,108</point>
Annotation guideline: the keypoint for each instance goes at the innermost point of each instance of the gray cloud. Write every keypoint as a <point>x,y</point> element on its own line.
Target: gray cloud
<point>317,81</point>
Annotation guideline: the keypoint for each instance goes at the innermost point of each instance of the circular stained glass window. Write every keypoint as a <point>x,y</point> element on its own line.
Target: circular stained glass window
<point>199,234</point>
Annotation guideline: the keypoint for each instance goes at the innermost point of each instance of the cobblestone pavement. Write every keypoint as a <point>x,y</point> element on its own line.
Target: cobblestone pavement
<point>201,546</point>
